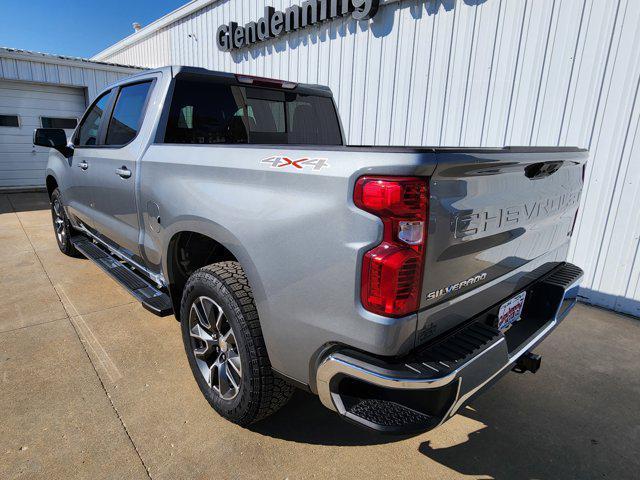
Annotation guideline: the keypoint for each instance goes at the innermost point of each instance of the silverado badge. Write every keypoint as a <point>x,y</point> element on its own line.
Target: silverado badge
<point>456,286</point>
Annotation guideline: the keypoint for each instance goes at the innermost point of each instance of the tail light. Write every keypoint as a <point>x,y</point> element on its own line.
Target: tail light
<point>391,279</point>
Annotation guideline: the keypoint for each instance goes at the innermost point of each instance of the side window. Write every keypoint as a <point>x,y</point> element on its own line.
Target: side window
<point>205,112</point>
<point>127,114</point>
<point>88,132</point>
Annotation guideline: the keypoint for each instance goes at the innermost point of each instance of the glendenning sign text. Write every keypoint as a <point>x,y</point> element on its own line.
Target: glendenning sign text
<point>276,23</point>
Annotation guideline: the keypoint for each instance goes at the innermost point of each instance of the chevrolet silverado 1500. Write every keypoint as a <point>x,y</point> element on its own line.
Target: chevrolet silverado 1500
<point>393,282</point>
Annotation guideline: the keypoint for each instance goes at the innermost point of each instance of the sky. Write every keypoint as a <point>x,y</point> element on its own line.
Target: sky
<point>75,27</point>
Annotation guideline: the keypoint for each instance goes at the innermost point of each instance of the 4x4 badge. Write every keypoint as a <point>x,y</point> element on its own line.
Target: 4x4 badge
<point>280,162</point>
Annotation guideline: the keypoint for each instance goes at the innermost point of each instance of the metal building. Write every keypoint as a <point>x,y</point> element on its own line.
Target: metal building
<point>461,72</point>
<point>40,90</point>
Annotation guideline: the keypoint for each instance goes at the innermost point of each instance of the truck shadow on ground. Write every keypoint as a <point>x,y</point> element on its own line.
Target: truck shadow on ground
<point>490,451</point>
<point>502,434</point>
<point>530,441</point>
<point>306,420</point>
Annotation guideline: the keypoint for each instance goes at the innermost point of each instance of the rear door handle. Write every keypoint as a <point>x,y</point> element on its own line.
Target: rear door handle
<point>124,172</point>
<point>83,165</point>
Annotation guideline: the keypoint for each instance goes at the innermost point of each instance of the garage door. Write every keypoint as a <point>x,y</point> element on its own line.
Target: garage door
<point>23,108</point>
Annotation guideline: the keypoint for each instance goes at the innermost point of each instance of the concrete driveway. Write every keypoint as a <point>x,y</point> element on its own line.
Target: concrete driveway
<point>93,386</point>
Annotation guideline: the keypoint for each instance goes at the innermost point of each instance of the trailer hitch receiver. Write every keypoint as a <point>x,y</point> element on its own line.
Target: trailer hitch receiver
<point>529,362</point>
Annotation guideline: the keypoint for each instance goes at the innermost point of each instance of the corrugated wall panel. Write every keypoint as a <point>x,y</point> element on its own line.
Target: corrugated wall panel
<point>29,69</point>
<point>469,72</point>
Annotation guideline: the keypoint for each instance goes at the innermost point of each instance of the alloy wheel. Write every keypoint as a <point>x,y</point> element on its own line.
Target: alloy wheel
<point>59,222</point>
<point>214,347</point>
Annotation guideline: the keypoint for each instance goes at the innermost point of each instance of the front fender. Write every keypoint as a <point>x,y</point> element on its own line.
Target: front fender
<point>57,167</point>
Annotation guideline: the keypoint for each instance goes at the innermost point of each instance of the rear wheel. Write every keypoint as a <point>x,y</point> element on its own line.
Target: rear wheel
<point>224,344</point>
<point>61,226</point>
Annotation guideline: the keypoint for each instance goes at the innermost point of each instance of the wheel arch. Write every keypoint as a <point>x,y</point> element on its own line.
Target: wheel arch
<point>51,184</point>
<point>203,244</point>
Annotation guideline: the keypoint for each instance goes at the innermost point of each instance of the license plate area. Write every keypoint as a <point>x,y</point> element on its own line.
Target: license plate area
<point>511,311</point>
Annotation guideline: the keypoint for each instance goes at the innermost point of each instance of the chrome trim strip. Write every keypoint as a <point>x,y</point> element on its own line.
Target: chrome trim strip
<point>339,364</point>
<point>157,278</point>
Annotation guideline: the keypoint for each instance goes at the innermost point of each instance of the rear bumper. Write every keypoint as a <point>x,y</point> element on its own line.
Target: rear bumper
<point>427,387</point>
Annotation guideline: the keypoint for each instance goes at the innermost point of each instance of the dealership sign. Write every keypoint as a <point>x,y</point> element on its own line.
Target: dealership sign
<point>276,23</point>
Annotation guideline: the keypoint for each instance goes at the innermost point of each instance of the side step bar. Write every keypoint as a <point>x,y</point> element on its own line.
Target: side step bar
<point>154,300</point>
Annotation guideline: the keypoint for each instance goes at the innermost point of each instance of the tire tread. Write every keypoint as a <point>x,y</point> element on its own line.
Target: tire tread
<point>269,392</point>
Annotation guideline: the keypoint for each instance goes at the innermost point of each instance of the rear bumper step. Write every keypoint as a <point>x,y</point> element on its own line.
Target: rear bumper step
<point>425,388</point>
<point>154,300</point>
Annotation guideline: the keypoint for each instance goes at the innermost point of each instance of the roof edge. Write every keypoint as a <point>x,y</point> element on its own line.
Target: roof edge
<point>18,54</point>
<point>147,30</point>
<point>169,19</point>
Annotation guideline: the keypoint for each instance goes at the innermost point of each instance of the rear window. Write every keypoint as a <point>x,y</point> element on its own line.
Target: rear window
<point>207,112</point>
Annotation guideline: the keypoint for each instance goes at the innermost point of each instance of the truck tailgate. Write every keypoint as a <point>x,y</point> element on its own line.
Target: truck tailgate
<point>493,212</point>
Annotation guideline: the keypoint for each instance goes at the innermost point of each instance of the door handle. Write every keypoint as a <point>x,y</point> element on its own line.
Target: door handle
<point>83,165</point>
<point>124,172</point>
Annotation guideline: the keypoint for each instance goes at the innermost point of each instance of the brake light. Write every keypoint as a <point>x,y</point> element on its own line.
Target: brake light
<point>265,82</point>
<point>391,279</point>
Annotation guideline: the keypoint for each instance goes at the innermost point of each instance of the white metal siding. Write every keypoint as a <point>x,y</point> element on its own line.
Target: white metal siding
<point>34,85</point>
<point>22,164</point>
<point>468,72</point>
<point>51,70</point>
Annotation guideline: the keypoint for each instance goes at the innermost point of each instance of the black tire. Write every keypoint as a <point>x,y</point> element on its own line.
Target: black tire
<point>62,227</point>
<point>260,393</point>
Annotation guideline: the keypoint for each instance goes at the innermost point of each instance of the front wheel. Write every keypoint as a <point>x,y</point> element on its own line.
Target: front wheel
<point>61,226</point>
<point>224,344</point>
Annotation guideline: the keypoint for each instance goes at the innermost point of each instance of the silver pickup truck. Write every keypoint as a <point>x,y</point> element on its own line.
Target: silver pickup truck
<point>393,282</point>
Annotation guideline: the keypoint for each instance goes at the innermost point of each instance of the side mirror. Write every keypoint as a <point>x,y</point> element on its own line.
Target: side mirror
<point>52,138</point>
